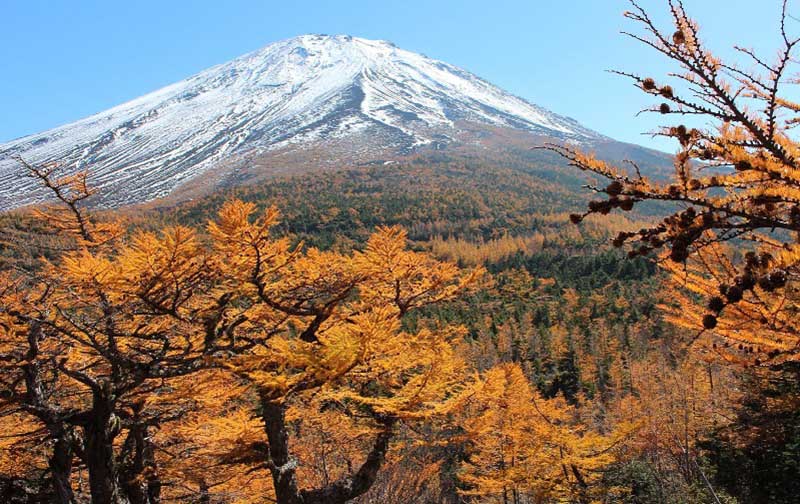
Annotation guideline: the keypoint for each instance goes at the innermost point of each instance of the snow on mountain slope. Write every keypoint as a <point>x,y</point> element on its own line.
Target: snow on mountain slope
<point>303,91</point>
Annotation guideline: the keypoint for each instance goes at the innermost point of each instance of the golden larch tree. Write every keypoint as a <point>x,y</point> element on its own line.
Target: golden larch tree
<point>733,238</point>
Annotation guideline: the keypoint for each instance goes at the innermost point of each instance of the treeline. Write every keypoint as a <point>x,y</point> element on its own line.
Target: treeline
<point>457,198</point>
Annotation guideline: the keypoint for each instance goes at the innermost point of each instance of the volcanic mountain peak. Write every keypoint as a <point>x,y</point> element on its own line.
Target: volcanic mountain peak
<point>309,91</point>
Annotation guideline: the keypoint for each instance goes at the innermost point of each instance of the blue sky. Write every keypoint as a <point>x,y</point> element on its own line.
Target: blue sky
<point>64,60</point>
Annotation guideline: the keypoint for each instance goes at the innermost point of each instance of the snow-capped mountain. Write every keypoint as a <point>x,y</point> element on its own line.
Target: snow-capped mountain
<point>369,96</point>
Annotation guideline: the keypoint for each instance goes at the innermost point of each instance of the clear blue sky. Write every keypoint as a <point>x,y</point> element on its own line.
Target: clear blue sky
<point>63,60</point>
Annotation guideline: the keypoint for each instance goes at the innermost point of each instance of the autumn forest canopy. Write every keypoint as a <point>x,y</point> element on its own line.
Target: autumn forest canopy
<point>551,327</point>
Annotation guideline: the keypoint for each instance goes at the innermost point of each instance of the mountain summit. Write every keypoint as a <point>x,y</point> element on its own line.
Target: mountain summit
<point>348,98</point>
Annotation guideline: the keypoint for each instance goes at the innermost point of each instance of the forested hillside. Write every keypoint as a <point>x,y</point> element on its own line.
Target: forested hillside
<point>536,311</point>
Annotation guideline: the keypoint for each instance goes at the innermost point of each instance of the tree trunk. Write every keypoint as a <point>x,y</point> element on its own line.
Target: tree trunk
<point>205,495</point>
<point>99,434</point>
<point>60,464</point>
<point>350,487</point>
<point>583,487</point>
<point>281,465</point>
<point>60,460</point>
<point>138,476</point>
<point>284,468</point>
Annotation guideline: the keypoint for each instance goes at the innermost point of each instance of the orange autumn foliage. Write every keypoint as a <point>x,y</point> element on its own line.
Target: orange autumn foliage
<point>737,185</point>
<point>160,354</point>
<point>525,448</point>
